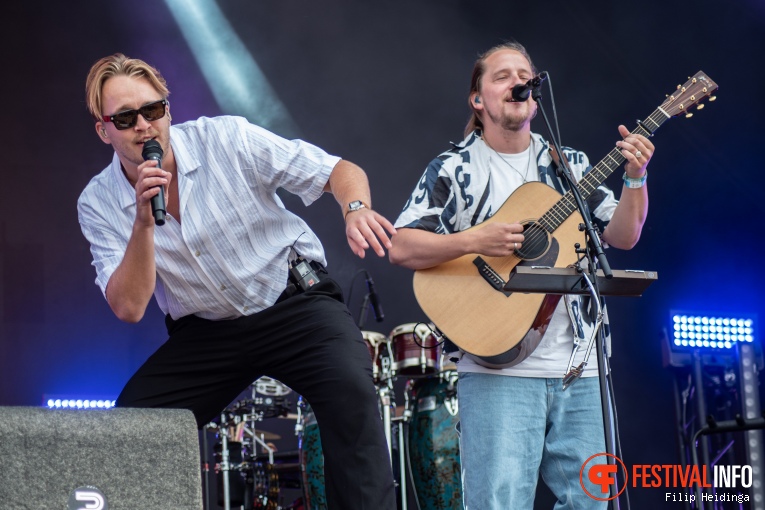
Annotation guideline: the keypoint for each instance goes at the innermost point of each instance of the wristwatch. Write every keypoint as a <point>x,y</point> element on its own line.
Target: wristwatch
<point>354,206</point>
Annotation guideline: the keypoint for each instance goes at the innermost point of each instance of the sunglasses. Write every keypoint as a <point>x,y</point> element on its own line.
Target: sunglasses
<point>128,118</point>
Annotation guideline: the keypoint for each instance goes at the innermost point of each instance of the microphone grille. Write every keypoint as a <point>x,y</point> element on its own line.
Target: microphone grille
<point>152,147</point>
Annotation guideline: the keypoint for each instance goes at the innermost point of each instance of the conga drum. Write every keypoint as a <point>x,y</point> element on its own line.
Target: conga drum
<point>311,462</point>
<point>434,452</point>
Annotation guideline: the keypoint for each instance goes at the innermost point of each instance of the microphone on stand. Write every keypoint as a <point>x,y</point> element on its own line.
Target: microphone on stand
<point>379,315</point>
<point>152,150</point>
<point>521,92</point>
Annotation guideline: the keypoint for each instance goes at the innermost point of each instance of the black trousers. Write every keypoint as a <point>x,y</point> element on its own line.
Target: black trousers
<point>307,341</point>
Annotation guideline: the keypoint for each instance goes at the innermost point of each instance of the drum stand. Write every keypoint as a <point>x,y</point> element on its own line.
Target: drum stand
<point>403,461</point>
<point>386,396</point>
<point>386,402</point>
<point>226,466</point>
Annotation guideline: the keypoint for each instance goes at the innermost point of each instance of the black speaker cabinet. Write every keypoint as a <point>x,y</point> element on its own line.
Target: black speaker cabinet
<point>114,459</point>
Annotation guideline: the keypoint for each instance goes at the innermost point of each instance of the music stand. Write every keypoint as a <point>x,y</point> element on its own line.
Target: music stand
<point>567,280</point>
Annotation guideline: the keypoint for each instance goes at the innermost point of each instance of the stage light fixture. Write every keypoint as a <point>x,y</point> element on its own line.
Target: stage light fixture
<point>58,402</point>
<point>750,400</point>
<point>715,337</point>
<point>710,332</point>
<point>716,354</point>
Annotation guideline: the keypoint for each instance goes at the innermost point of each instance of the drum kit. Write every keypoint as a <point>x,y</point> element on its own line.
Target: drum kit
<point>421,434</point>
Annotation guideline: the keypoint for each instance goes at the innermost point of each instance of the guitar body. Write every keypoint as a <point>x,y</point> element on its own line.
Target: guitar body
<point>467,309</point>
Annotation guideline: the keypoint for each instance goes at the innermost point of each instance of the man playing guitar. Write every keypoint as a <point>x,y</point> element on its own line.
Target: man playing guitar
<point>516,420</point>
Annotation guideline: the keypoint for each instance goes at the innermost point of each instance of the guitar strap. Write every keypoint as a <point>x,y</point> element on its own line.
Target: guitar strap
<point>556,161</point>
<point>555,158</point>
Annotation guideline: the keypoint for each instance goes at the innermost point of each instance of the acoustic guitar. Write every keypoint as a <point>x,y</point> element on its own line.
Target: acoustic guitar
<point>465,297</point>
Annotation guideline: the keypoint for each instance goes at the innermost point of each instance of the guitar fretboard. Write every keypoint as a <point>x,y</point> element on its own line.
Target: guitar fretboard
<point>563,208</point>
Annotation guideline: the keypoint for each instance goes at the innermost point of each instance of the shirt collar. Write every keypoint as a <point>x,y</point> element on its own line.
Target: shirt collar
<point>187,158</point>
<point>186,161</point>
<point>126,192</point>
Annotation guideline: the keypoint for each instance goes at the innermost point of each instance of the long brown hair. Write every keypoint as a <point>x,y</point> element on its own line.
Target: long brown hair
<point>479,68</point>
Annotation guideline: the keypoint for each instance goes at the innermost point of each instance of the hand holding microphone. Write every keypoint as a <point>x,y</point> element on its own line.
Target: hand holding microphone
<point>153,150</point>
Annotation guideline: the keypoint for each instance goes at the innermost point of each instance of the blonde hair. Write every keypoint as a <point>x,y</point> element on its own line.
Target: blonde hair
<point>479,68</point>
<point>118,65</point>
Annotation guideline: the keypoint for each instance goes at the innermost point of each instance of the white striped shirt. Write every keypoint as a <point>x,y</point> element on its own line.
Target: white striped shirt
<point>229,256</point>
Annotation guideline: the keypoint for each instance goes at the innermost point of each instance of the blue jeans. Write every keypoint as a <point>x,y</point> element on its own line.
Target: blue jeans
<point>512,429</point>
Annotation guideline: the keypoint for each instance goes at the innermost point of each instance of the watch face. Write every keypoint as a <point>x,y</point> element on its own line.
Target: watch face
<point>355,205</point>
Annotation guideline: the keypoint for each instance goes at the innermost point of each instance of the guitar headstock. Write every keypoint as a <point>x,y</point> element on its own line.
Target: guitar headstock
<point>695,90</point>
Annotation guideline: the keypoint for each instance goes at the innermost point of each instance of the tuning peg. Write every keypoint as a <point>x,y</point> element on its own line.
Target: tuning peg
<point>712,98</point>
<point>700,106</point>
<point>688,115</point>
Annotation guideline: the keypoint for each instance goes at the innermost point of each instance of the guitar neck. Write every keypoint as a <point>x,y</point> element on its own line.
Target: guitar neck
<point>558,213</point>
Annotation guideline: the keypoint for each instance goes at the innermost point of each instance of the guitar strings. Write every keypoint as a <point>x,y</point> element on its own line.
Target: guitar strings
<point>563,208</point>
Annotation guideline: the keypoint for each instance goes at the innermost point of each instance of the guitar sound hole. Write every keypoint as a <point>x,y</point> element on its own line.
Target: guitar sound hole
<point>536,241</point>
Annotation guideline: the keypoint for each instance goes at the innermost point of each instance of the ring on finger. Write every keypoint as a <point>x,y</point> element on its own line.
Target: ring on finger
<point>638,154</point>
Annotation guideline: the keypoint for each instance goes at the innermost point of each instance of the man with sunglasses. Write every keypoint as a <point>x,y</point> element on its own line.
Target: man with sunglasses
<point>240,278</point>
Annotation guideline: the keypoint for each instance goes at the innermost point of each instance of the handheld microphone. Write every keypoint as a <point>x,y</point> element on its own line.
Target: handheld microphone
<point>521,92</point>
<point>152,150</point>
<point>379,316</point>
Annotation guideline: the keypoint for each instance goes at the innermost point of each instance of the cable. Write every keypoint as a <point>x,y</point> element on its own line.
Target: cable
<point>554,110</point>
<point>616,425</point>
<point>409,465</point>
<point>293,244</point>
<point>350,286</point>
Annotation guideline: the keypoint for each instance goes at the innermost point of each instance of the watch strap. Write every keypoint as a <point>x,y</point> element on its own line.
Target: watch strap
<point>354,205</point>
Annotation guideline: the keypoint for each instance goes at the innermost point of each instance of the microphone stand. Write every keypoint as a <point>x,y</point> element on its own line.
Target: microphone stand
<point>593,239</point>
<point>592,246</point>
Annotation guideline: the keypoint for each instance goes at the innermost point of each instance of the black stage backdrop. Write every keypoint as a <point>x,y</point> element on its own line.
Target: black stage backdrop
<point>384,84</point>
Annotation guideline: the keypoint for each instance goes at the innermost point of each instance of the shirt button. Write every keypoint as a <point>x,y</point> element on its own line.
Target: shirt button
<point>222,287</point>
<point>246,308</point>
<point>197,253</point>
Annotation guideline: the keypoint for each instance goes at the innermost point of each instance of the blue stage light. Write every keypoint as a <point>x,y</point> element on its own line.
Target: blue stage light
<point>710,332</point>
